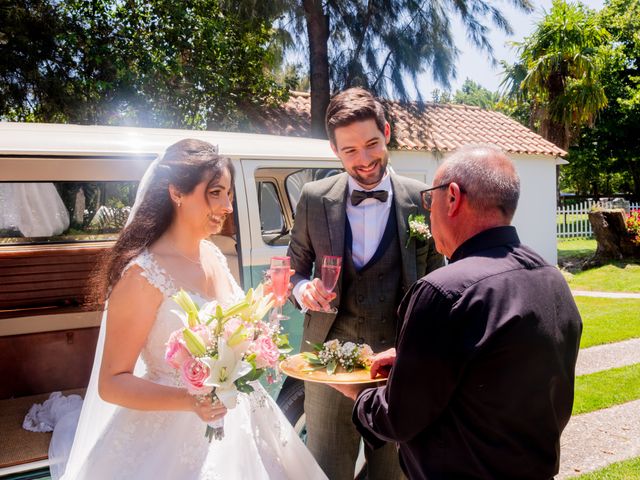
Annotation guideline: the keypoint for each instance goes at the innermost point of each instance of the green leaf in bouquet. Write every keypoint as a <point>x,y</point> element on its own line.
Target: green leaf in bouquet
<point>238,336</point>
<point>309,356</point>
<point>185,302</point>
<point>243,386</point>
<point>282,342</point>
<point>249,296</point>
<point>316,346</point>
<point>332,365</point>
<point>195,343</point>
<point>236,309</point>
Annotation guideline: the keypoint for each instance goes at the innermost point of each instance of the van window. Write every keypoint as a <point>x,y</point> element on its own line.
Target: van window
<point>296,181</point>
<point>272,221</point>
<point>43,212</point>
<point>279,190</point>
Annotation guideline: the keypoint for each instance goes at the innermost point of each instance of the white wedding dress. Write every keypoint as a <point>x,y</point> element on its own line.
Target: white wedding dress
<point>259,443</point>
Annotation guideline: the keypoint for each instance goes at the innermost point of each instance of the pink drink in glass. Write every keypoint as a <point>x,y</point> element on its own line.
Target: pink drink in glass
<point>280,281</point>
<point>279,273</point>
<point>330,274</point>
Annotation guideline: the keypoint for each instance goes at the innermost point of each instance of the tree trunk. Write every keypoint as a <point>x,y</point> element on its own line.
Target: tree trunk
<point>318,32</point>
<point>614,242</point>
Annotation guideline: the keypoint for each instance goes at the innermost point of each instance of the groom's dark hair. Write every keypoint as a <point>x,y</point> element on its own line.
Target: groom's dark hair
<point>353,105</point>
<point>184,165</point>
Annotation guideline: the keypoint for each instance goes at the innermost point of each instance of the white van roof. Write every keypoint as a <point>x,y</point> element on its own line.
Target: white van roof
<point>83,140</point>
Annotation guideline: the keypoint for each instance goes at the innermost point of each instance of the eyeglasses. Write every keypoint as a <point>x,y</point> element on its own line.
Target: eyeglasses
<point>426,195</point>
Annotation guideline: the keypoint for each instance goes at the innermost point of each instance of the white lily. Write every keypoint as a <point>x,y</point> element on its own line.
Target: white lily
<point>259,304</point>
<point>224,371</point>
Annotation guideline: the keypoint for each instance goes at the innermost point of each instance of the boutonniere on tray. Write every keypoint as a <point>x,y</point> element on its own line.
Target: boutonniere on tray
<point>418,228</point>
<point>332,362</point>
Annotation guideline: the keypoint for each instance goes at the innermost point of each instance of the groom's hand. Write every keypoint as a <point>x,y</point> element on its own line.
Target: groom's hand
<point>382,363</point>
<point>315,297</point>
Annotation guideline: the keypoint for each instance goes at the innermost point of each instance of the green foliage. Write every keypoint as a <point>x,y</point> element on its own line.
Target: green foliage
<point>607,388</point>
<point>610,151</point>
<point>608,320</point>
<point>558,71</point>
<point>383,45</point>
<point>472,93</point>
<point>157,63</point>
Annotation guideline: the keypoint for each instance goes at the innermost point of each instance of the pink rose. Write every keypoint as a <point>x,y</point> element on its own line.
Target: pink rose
<point>231,326</point>
<point>266,352</point>
<point>176,353</point>
<point>205,334</point>
<point>194,373</point>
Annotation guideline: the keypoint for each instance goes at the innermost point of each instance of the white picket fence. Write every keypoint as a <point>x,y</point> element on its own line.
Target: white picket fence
<point>573,220</point>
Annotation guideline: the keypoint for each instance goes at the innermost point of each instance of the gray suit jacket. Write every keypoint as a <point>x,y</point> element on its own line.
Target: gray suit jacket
<point>319,229</point>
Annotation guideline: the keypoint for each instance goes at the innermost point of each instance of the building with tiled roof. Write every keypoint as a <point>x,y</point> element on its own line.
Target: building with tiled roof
<point>417,126</point>
<point>422,133</point>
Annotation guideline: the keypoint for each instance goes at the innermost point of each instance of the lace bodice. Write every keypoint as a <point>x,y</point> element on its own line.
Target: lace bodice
<point>166,322</point>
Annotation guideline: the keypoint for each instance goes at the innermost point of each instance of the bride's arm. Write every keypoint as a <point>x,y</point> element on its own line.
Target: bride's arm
<point>133,306</point>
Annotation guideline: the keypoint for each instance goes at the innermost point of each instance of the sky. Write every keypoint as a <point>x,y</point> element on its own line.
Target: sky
<point>475,65</point>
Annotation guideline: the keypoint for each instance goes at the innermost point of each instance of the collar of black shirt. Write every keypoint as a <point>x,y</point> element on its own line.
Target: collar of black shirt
<point>486,239</point>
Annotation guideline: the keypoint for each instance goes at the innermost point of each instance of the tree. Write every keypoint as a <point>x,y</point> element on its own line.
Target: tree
<point>378,44</point>
<point>561,62</point>
<point>610,150</point>
<point>472,93</point>
<point>155,63</point>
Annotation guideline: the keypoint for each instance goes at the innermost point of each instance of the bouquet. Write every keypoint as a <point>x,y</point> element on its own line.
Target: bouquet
<point>333,354</point>
<point>219,352</point>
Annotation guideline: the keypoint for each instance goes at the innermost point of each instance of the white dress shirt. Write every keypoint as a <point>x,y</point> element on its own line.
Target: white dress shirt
<point>368,221</point>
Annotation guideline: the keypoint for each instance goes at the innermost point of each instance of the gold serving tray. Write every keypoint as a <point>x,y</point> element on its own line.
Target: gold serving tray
<point>297,367</point>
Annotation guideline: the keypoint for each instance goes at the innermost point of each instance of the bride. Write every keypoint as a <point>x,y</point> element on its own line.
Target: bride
<point>136,422</point>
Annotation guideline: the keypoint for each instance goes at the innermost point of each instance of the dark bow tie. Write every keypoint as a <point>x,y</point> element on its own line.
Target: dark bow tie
<point>357,196</point>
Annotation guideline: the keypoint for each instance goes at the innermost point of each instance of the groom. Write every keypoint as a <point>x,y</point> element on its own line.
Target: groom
<point>362,216</point>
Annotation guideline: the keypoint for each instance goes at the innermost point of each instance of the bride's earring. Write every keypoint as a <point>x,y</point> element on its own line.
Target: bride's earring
<point>178,203</point>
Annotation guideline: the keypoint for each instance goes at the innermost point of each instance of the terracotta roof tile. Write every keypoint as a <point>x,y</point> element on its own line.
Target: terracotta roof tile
<point>420,126</point>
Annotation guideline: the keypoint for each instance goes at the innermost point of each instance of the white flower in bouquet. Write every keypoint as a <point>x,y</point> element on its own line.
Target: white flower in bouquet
<point>220,352</point>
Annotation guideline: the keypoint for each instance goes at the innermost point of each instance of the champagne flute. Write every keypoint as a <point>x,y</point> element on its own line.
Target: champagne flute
<point>279,272</point>
<point>330,273</point>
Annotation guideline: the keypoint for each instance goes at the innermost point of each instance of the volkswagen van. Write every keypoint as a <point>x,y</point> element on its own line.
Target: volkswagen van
<point>65,193</point>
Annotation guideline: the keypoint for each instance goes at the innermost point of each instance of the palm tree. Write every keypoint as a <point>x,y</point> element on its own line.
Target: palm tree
<point>380,44</point>
<point>559,71</point>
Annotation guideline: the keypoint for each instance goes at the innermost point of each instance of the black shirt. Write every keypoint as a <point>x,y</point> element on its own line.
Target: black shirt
<point>483,382</point>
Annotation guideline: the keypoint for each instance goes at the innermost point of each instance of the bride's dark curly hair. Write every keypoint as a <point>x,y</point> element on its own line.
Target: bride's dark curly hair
<point>183,165</point>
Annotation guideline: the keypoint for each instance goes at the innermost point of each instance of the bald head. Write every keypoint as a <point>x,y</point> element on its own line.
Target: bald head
<point>486,175</point>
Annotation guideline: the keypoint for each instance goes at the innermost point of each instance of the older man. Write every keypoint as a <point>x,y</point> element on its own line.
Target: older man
<point>482,384</point>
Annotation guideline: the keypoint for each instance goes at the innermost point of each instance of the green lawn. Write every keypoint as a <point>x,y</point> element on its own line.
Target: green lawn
<point>607,388</point>
<point>628,470</point>
<point>614,277</point>
<point>576,248</point>
<point>608,320</point>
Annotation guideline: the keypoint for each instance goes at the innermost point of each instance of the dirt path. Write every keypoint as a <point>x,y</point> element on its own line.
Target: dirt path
<point>604,357</point>
<point>594,440</point>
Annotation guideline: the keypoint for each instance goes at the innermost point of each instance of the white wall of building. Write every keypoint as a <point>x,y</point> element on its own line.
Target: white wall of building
<point>535,218</point>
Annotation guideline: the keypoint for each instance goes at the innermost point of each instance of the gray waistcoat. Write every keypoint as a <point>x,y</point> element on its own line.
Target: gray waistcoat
<point>370,296</point>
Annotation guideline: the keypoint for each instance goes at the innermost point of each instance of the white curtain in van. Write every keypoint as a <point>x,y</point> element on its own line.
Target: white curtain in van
<point>35,209</point>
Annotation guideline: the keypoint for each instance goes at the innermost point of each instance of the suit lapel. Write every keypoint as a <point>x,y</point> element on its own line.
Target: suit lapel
<point>335,212</point>
<point>404,208</point>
